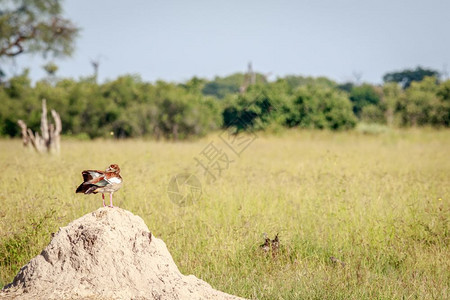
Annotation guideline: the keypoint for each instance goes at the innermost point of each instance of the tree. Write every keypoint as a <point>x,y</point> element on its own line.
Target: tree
<point>183,114</point>
<point>297,81</point>
<point>258,108</point>
<point>50,68</point>
<point>362,96</point>
<point>223,86</point>
<point>49,139</point>
<point>406,77</point>
<point>392,93</point>
<point>35,26</point>
<point>443,112</point>
<point>321,108</point>
<point>444,91</point>
<point>346,86</point>
<point>420,105</point>
<point>195,85</point>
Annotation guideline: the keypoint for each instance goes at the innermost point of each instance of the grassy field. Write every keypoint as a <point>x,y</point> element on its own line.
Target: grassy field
<point>379,204</point>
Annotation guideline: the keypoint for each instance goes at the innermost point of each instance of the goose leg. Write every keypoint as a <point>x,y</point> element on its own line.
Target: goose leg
<point>110,200</point>
<point>103,197</point>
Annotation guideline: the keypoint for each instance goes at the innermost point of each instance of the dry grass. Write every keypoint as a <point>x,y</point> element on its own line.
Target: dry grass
<point>378,204</point>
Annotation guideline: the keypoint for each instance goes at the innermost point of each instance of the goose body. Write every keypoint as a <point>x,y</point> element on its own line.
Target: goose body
<point>95,181</point>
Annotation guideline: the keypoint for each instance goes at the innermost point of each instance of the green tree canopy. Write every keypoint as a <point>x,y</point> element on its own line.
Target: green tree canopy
<point>35,26</point>
<point>421,105</point>
<point>406,77</point>
<point>362,96</point>
<point>258,107</point>
<point>321,108</point>
<point>220,87</point>
<point>297,81</point>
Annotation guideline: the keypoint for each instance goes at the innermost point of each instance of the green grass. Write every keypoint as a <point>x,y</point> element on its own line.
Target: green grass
<point>379,203</point>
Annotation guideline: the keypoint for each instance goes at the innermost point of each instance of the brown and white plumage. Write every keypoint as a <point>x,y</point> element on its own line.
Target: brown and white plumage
<point>108,181</point>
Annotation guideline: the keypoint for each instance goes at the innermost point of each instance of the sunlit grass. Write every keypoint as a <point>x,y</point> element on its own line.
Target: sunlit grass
<point>378,203</point>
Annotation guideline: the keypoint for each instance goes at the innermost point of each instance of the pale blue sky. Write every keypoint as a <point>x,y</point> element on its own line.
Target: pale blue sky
<point>175,40</point>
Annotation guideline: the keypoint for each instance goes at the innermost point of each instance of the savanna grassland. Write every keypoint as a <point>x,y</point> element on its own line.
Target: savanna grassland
<point>358,216</point>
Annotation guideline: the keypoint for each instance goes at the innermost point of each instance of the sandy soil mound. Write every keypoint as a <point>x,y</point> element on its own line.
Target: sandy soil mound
<point>107,254</point>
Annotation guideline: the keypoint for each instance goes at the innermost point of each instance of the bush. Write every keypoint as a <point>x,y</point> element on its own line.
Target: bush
<point>373,114</point>
<point>423,104</point>
<point>322,109</point>
<point>362,96</point>
<point>258,108</point>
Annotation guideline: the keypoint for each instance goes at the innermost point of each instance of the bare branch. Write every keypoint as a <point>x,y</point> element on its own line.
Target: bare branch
<point>50,139</point>
<point>32,139</point>
<point>17,43</point>
<point>25,138</point>
<point>57,119</point>
<point>44,122</point>
<point>56,131</point>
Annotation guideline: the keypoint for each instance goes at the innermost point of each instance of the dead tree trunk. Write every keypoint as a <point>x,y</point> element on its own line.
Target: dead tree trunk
<point>49,140</point>
<point>249,79</point>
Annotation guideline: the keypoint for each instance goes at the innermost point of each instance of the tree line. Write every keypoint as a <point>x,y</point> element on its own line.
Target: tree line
<point>130,107</point>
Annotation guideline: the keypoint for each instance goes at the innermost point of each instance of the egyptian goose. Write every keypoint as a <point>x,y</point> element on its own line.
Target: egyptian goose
<point>108,181</point>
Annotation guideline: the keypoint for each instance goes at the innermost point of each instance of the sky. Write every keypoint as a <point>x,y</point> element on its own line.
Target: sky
<point>175,40</point>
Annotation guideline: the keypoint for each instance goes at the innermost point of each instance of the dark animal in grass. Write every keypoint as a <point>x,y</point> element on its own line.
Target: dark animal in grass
<point>271,245</point>
<point>335,260</point>
<point>108,181</point>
